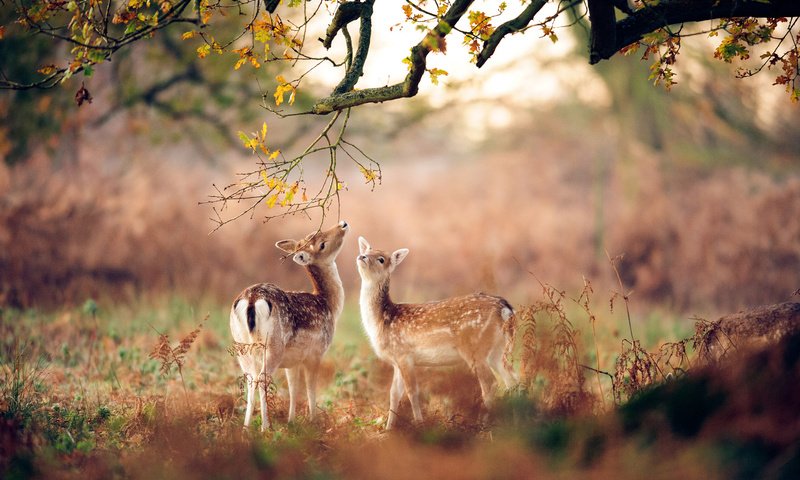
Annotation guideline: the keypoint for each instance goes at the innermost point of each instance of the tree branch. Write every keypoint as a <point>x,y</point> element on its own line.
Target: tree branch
<point>346,13</point>
<point>604,30</point>
<point>356,68</point>
<point>410,86</point>
<point>669,12</point>
<point>512,26</point>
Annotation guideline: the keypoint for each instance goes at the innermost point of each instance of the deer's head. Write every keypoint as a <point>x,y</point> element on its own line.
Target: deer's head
<point>377,265</point>
<point>319,248</point>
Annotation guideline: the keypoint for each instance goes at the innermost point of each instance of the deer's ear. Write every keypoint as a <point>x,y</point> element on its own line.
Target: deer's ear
<point>288,246</point>
<point>363,245</point>
<point>398,256</point>
<point>302,258</point>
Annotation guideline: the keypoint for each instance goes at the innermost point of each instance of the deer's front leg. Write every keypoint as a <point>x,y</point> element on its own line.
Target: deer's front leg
<point>409,377</point>
<point>395,395</point>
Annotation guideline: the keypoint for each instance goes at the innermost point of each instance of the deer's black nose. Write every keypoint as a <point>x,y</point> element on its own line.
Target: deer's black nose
<point>343,225</point>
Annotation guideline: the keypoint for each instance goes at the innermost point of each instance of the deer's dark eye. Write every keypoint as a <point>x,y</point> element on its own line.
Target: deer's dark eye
<point>380,259</point>
<point>322,246</point>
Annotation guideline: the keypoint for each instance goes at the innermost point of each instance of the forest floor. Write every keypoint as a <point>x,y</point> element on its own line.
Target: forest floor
<point>85,396</point>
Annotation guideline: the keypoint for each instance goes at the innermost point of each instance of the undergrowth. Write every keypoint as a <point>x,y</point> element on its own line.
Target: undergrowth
<point>91,392</point>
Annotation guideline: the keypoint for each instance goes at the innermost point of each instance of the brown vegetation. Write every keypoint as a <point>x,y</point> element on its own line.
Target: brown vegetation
<point>752,329</point>
<point>98,409</point>
<point>719,242</point>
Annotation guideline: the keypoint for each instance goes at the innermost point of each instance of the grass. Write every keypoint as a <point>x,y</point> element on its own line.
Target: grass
<point>82,396</point>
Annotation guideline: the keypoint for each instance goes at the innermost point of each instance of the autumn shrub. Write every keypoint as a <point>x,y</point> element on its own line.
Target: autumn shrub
<point>728,242</point>
<point>710,241</point>
<point>72,233</point>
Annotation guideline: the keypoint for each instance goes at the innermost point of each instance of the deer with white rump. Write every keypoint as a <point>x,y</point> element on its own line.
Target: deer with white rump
<point>291,330</point>
<point>472,329</point>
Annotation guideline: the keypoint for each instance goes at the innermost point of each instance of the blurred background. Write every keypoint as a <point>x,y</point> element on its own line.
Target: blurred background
<point>535,167</point>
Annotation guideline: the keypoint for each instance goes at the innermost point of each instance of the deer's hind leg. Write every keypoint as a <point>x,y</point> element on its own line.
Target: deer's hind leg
<point>293,382</point>
<point>478,362</point>
<point>272,358</point>
<point>498,363</point>
<point>311,368</point>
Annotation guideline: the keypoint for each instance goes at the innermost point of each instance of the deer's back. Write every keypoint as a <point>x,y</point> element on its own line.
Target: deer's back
<point>458,312</point>
<point>441,332</point>
<point>295,311</point>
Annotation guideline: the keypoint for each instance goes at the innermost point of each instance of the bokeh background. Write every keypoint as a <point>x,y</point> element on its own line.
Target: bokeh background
<point>536,166</point>
<point>524,179</point>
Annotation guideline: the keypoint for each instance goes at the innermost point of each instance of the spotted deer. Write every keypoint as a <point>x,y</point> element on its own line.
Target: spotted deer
<point>472,329</point>
<point>275,329</point>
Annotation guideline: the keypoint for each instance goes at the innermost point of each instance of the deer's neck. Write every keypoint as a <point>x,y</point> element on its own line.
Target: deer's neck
<point>376,303</point>
<point>376,311</point>
<point>328,285</point>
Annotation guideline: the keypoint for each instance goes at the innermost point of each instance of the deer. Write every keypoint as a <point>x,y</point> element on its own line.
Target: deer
<point>273,328</point>
<point>473,329</point>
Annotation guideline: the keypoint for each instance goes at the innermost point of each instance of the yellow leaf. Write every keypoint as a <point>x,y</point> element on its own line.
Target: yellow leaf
<point>47,69</point>
<point>435,73</point>
<point>203,51</point>
<point>370,176</point>
<point>274,154</point>
<point>264,131</point>
<point>271,200</point>
<point>287,199</point>
<point>239,64</point>
<point>188,35</point>
<point>264,176</point>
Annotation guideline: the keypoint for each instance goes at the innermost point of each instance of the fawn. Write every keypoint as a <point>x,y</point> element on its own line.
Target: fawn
<point>274,329</point>
<point>475,329</point>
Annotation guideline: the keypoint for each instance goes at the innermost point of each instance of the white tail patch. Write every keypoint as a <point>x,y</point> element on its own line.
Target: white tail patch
<point>241,312</point>
<point>506,313</point>
<point>262,311</point>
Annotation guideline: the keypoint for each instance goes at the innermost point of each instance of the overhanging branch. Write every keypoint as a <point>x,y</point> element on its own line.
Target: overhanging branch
<point>603,37</point>
<point>346,13</point>
<point>410,86</point>
<point>356,68</point>
<point>670,12</point>
<point>514,25</point>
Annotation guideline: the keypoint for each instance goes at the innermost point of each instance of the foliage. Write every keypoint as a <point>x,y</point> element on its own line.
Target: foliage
<point>169,356</point>
<point>92,425</point>
<point>96,31</point>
